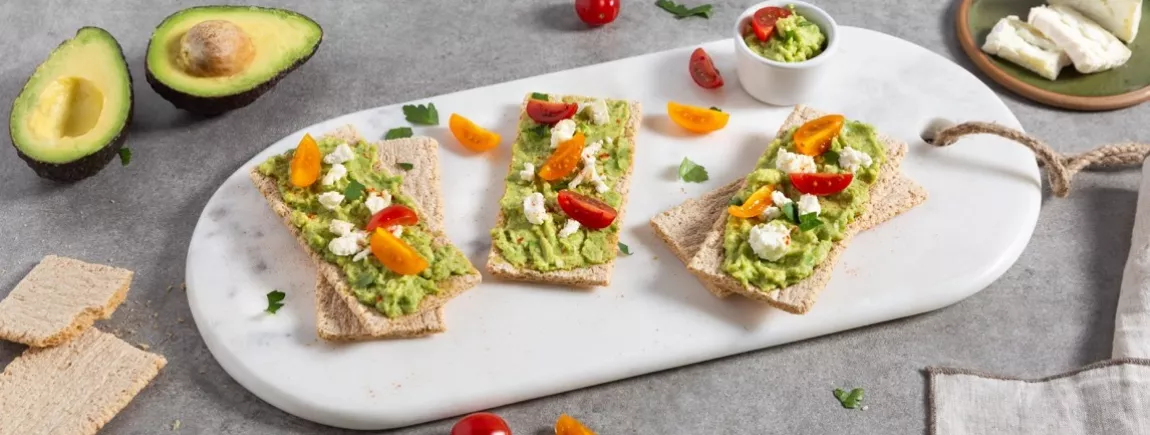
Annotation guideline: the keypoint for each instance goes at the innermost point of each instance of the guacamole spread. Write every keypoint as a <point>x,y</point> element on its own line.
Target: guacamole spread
<point>799,251</point>
<point>795,39</point>
<point>372,283</point>
<point>554,243</point>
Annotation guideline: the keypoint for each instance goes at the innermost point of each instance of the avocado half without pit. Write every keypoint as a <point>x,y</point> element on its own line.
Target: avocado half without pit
<point>72,115</point>
<point>212,59</point>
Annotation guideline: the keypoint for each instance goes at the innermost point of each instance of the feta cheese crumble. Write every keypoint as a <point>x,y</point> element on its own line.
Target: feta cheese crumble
<point>534,209</point>
<point>341,154</point>
<point>361,255</point>
<point>340,228</point>
<point>563,131</point>
<point>375,202</point>
<point>330,200</point>
<point>528,172</point>
<point>590,172</point>
<point>599,114</point>
<point>809,204</point>
<point>336,173</point>
<point>771,240</point>
<point>344,245</point>
<point>852,159</point>
<point>771,213</point>
<point>780,199</point>
<point>396,230</point>
<point>569,228</point>
<point>791,163</point>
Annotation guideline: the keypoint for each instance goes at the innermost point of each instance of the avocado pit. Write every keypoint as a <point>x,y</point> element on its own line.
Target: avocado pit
<point>215,48</point>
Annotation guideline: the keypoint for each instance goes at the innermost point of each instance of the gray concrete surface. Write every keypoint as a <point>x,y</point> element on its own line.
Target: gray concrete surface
<point>1051,312</point>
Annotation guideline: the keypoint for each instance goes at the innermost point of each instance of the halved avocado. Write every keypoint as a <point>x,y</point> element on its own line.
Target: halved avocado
<point>72,116</point>
<point>212,59</point>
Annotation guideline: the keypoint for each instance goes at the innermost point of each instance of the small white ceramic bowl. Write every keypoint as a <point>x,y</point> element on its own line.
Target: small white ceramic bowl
<point>783,83</point>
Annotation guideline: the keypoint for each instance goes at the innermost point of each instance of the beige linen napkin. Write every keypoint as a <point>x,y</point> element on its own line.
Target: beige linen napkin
<point>1109,397</point>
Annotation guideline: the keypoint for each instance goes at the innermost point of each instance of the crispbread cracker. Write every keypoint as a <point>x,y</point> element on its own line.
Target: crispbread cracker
<point>591,276</point>
<point>334,320</point>
<point>684,227</point>
<point>74,388</point>
<point>799,298</point>
<point>368,317</point>
<point>59,299</point>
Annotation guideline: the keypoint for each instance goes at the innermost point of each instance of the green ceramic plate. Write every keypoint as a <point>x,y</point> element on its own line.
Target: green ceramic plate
<point>1120,87</point>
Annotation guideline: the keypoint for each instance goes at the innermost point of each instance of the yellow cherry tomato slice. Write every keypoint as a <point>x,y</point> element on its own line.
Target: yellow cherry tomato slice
<point>697,119</point>
<point>395,254</point>
<point>472,136</point>
<point>568,425</point>
<point>755,204</point>
<point>814,137</point>
<point>305,163</point>
<point>564,160</point>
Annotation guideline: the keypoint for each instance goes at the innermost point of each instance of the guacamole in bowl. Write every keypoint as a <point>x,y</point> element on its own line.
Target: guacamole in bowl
<point>783,35</point>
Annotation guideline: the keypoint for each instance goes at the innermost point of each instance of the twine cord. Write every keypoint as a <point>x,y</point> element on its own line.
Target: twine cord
<point>1060,168</point>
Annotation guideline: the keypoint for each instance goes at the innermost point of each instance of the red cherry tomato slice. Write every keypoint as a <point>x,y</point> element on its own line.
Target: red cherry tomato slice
<point>703,70</point>
<point>820,184</point>
<point>550,112</point>
<point>590,212</point>
<point>483,423</point>
<point>392,215</point>
<point>597,12</point>
<point>763,23</point>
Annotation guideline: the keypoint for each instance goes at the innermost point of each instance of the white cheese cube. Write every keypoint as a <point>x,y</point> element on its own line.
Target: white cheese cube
<point>569,228</point>
<point>1120,17</point>
<point>789,162</point>
<point>376,202</point>
<point>771,213</point>
<point>341,154</point>
<point>563,131</point>
<point>534,208</point>
<point>528,172</point>
<point>1020,43</point>
<point>336,173</point>
<point>340,228</point>
<point>809,204</point>
<point>344,245</point>
<point>330,200</point>
<point>852,159</point>
<point>771,240</point>
<point>780,199</point>
<point>599,114</point>
<point>1089,46</point>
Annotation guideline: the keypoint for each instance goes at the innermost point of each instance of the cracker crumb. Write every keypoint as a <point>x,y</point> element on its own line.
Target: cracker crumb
<point>864,408</point>
<point>143,346</point>
<point>176,425</point>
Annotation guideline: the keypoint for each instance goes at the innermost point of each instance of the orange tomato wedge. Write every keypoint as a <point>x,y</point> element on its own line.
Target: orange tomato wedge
<point>472,136</point>
<point>697,119</point>
<point>568,425</point>
<point>395,254</point>
<point>564,160</point>
<point>305,163</point>
<point>753,206</point>
<point>814,137</point>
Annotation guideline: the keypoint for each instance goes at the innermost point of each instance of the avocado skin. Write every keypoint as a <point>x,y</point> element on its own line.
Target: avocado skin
<point>91,164</point>
<point>214,106</point>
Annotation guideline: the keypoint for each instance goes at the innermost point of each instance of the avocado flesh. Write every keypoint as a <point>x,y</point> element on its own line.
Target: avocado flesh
<point>71,117</point>
<point>282,41</point>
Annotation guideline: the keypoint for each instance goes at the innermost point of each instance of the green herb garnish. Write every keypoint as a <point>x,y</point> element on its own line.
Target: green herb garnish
<point>736,201</point>
<point>830,157</point>
<point>275,301</point>
<point>406,166</point>
<point>421,115</point>
<point>125,156</point>
<point>691,172</point>
<point>363,281</point>
<point>538,96</point>
<point>681,11</point>
<point>626,250</point>
<point>353,191</point>
<point>850,400</point>
<point>809,221</point>
<point>716,109</point>
<point>398,133</point>
<point>539,130</point>
<point>790,212</point>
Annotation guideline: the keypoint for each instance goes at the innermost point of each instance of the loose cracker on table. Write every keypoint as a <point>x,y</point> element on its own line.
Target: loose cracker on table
<point>591,276</point>
<point>799,298</point>
<point>374,324</point>
<point>74,388</point>
<point>59,299</point>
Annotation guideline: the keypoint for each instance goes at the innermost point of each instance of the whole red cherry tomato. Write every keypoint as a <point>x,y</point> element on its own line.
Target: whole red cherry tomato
<point>483,423</point>
<point>597,12</point>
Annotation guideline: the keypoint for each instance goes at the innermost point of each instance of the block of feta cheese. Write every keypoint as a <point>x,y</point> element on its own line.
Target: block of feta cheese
<point>1090,47</point>
<point>1120,17</point>
<point>1018,42</point>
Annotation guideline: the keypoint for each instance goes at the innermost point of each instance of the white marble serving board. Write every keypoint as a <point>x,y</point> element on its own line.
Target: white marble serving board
<point>509,342</point>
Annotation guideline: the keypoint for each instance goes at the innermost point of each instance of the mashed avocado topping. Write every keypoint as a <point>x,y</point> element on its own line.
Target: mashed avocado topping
<point>373,284</point>
<point>795,39</point>
<point>550,245</point>
<point>805,249</point>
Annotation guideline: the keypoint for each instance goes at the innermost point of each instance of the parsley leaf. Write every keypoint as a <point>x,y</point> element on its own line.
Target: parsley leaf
<point>406,166</point>
<point>353,191</point>
<point>716,109</point>
<point>275,301</point>
<point>363,281</point>
<point>125,156</point>
<point>540,130</point>
<point>681,11</point>
<point>691,172</point>
<point>421,115</point>
<point>809,221</point>
<point>538,96</point>
<point>626,250</point>
<point>736,201</point>
<point>790,212</point>
<point>398,133</point>
<point>850,400</point>
<point>830,158</point>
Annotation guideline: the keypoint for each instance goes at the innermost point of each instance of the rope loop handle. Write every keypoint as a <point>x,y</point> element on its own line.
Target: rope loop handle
<point>1060,168</point>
